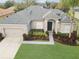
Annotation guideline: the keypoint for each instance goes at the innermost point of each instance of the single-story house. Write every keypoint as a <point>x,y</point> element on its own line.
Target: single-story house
<point>36,17</point>
<point>76,11</point>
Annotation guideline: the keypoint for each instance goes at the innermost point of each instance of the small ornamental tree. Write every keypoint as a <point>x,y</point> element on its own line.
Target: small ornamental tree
<point>8,4</point>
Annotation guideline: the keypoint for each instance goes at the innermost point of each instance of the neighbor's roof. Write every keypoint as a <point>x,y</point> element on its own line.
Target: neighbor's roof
<point>25,16</point>
<point>31,13</point>
<point>5,12</point>
<point>1,9</point>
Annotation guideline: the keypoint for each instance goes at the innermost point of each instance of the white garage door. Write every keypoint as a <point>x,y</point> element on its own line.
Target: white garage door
<point>14,32</point>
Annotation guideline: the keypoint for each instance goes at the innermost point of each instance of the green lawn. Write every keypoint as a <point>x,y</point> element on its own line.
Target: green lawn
<point>57,51</point>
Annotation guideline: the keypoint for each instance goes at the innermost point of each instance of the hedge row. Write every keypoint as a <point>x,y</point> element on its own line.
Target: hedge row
<point>36,35</point>
<point>65,39</point>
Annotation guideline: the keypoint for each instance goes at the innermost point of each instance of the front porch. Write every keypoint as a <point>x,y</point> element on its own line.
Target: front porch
<point>41,31</point>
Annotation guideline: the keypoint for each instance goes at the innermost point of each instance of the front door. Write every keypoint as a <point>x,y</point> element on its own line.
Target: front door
<point>49,26</point>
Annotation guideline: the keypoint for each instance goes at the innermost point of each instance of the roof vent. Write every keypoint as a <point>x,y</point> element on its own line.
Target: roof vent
<point>30,12</point>
<point>58,14</point>
<point>59,19</point>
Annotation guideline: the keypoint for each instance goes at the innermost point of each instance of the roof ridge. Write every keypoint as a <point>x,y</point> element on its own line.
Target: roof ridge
<point>47,13</point>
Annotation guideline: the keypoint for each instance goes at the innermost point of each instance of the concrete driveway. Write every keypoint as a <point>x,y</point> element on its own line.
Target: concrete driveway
<point>10,45</point>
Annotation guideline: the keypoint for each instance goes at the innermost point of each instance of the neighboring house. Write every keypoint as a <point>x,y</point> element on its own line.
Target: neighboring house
<point>37,17</point>
<point>6,12</point>
<point>76,10</point>
<point>1,9</point>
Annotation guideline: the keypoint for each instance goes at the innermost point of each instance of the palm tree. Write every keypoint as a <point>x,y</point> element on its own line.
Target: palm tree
<point>29,2</point>
<point>47,4</point>
<point>70,4</point>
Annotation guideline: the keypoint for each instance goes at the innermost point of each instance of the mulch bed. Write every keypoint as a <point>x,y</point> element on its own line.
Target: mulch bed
<point>31,38</point>
<point>66,39</point>
<point>62,39</point>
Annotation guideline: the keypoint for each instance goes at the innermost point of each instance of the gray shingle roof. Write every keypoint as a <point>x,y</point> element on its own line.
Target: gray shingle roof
<point>24,16</point>
<point>63,16</point>
<point>31,13</point>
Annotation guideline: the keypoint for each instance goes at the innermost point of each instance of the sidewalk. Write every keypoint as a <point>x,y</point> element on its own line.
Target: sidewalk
<point>37,42</point>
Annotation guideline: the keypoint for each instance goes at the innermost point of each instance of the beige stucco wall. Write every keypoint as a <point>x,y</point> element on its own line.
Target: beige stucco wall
<point>37,25</point>
<point>65,28</point>
<point>77,15</point>
<point>43,25</point>
<point>57,26</point>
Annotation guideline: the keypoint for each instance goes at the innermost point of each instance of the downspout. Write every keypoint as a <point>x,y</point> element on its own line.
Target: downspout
<point>4,32</point>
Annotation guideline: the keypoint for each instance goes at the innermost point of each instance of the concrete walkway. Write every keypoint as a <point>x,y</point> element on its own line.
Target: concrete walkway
<point>50,42</point>
<point>9,47</point>
<point>37,42</point>
<point>51,39</point>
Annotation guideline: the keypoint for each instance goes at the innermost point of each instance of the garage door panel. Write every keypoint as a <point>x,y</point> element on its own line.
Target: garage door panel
<point>13,32</point>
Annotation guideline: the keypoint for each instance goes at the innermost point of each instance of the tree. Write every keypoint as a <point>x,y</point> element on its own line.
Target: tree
<point>62,7</point>
<point>29,2</point>
<point>48,4</point>
<point>2,6</point>
<point>8,4</point>
<point>53,5</point>
<point>20,6</point>
<point>23,5</point>
<point>70,4</point>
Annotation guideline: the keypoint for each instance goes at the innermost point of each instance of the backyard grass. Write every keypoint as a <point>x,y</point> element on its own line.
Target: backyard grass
<point>57,51</point>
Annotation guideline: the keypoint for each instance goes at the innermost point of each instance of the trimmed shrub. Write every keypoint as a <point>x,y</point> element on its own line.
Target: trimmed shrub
<point>65,39</point>
<point>37,32</point>
<point>2,6</point>
<point>20,7</point>
<point>62,34</point>
<point>36,35</point>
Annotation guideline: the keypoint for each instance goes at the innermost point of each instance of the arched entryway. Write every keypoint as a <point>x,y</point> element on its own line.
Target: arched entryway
<point>50,25</point>
<point>50,29</point>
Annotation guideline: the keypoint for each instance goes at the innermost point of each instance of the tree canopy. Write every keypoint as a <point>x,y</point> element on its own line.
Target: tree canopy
<point>8,4</point>
<point>70,3</point>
